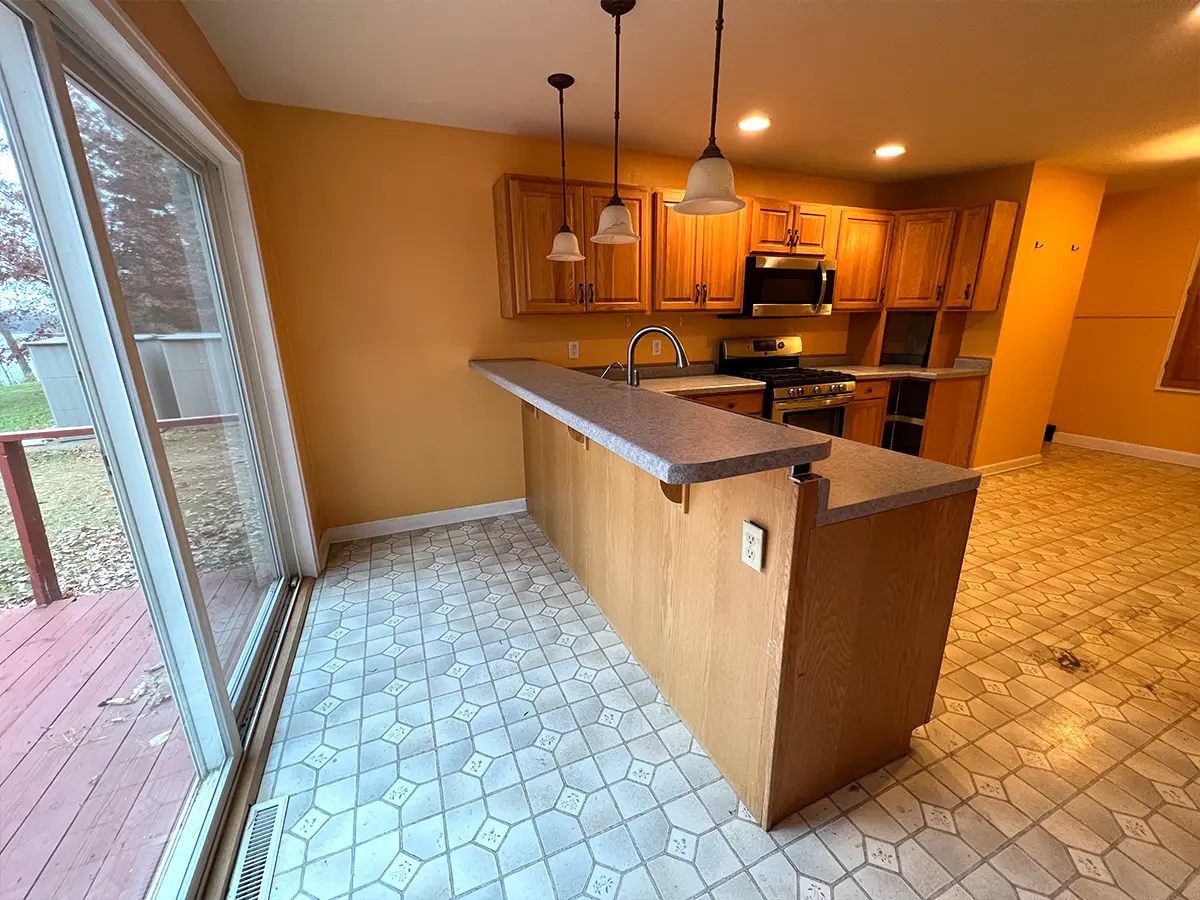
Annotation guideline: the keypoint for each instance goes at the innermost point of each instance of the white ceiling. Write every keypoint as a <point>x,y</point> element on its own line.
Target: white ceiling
<point>1109,85</point>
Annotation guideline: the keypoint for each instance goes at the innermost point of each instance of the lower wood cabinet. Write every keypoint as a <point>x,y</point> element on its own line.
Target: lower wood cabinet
<point>865,418</point>
<point>749,403</point>
<point>950,418</point>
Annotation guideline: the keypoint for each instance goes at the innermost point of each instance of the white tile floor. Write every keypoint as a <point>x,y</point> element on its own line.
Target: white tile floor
<point>462,722</point>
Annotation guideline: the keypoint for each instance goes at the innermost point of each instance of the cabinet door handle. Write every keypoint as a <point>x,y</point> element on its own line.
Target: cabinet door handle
<point>939,293</point>
<point>704,293</point>
<point>967,292</point>
<point>579,292</point>
<point>882,290</point>
<point>696,295</point>
<point>792,234</point>
<point>591,292</point>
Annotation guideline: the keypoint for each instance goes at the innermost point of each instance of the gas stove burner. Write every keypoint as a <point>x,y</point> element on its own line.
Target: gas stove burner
<point>783,377</point>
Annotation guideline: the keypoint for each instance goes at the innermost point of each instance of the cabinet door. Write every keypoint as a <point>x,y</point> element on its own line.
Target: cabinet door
<point>920,255</point>
<point>618,275</point>
<point>864,421</point>
<point>770,226</point>
<point>985,295</point>
<point>813,227</point>
<point>748,403</point>
<point>968,252</point>
<point>676,255</point>
<point>722,261</point>
<point>864,238</point>
<point>542,285</point>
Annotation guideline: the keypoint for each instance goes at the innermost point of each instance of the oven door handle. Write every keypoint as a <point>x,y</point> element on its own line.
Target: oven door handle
<point>787,406</point>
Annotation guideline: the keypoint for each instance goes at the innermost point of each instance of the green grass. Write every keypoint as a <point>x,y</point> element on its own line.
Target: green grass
<point>23,407</point>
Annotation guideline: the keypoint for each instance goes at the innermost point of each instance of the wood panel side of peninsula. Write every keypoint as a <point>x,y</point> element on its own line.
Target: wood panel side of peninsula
<point>814,670</point>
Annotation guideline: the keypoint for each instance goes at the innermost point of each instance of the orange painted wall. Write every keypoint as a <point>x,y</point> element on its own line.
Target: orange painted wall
<point>387,283</point>
<point>1038,310</point>
<point>1136,276</point>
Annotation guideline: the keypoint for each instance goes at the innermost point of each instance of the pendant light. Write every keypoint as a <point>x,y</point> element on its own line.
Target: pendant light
<point>566,247</point>
<point>616,224</point>
<point>710,182</point>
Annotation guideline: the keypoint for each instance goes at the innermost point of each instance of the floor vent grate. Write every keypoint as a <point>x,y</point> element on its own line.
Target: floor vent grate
<point>260,843</point>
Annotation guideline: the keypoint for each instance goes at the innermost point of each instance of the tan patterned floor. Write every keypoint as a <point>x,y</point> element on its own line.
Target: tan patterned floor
<point>462,722</point>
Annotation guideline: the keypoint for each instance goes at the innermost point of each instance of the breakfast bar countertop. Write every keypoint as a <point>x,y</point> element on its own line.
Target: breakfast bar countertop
<point>675,440</point>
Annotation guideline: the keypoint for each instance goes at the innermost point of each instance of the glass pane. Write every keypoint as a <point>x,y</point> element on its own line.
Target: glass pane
<point>95,767</point>
<point>157,226</point>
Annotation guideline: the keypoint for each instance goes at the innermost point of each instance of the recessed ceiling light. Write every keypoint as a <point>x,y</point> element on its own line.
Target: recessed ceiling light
<point>754,123</point>
<point>888,150</point>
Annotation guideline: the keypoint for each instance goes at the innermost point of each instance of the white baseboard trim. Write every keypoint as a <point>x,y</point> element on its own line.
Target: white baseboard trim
<point>1009,465</point>
<point>341,533</point>
<point>1142,451</point>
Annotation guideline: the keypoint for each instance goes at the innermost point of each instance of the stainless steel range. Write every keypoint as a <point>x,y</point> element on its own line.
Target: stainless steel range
<point>815,399</point>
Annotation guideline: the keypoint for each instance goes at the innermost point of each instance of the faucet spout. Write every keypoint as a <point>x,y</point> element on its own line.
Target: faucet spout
<point>632,377</point>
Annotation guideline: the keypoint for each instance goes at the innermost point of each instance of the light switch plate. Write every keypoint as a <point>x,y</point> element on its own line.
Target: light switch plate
<point>572,349</point>
<point>753,539</point>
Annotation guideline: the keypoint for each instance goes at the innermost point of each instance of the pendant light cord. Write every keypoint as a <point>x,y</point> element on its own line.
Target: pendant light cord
<point>562,144</point>
<point>617,111</point>
<point>712,127</point>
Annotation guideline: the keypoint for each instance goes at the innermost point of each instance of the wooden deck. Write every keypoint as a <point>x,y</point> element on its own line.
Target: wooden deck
<point>89,794</point>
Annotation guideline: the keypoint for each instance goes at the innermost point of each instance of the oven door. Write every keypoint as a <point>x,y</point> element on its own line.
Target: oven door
<point>826,415</point>
<point>788,286</point>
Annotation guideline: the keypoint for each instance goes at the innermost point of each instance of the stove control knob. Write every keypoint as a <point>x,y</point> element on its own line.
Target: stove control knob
<point>816,389</point>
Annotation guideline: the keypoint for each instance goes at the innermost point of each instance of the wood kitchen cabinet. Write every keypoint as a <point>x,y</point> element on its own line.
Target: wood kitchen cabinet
<point>699,260</point>
<point>781,226</point>
<point>950,417</point>
<point>865,418</point>
<point>611,278</point>
<point>748,403</point>
<point>920,256</point>
<point>864,238</point>
<point>980,256</point>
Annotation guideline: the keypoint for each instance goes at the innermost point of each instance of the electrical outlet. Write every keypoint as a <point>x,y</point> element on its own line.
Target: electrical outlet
<point>656,347</point>
<point>572,349</point>
<point>753,539</point>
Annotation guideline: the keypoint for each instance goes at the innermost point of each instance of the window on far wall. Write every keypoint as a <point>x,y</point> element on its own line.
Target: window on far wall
<point>1182,367</point>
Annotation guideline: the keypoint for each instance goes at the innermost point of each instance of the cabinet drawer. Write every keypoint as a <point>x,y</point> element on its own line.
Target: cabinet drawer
<point>869,390</point>
<point>747,402</point>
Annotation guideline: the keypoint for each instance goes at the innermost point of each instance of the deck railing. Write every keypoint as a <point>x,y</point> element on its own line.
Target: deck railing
<point>22,498</point>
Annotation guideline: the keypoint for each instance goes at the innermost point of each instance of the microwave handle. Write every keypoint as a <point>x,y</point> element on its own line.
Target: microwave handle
<point>820,301</point>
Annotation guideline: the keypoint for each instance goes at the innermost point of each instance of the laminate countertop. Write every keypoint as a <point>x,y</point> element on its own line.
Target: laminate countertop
<point>677,441</point>
<point>680,442</point>
<point>866,373</point>
<point>861,480</point>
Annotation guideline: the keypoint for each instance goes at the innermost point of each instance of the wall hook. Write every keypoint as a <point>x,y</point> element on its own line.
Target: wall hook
<point>1038,245</point>
<point>1074,248</point>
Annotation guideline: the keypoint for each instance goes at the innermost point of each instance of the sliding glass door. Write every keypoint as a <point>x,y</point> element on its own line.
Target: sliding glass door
<point>127,214</point>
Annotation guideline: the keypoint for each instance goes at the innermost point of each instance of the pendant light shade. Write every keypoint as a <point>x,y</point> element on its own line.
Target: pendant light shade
<point>616,224</point>
<point>566,247</point>
<point>710,190</point>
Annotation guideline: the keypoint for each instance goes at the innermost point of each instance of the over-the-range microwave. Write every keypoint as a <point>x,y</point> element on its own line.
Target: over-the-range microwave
<point>779,286</point>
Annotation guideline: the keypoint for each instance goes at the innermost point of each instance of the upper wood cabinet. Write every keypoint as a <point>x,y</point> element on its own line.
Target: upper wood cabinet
<point>618,275</point>
<point>864,238</point>
<point>781,226</point>
<point>528,213</point>
<point>919,259</point>
<point>699,260</point>
<point>980,256</point>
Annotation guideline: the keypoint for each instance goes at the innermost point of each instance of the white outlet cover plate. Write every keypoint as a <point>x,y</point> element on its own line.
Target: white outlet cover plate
<point>572,349</point>
<point>753,539</point>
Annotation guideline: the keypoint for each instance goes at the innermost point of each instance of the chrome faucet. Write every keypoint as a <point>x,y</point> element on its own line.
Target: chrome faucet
<point>631,374</point>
